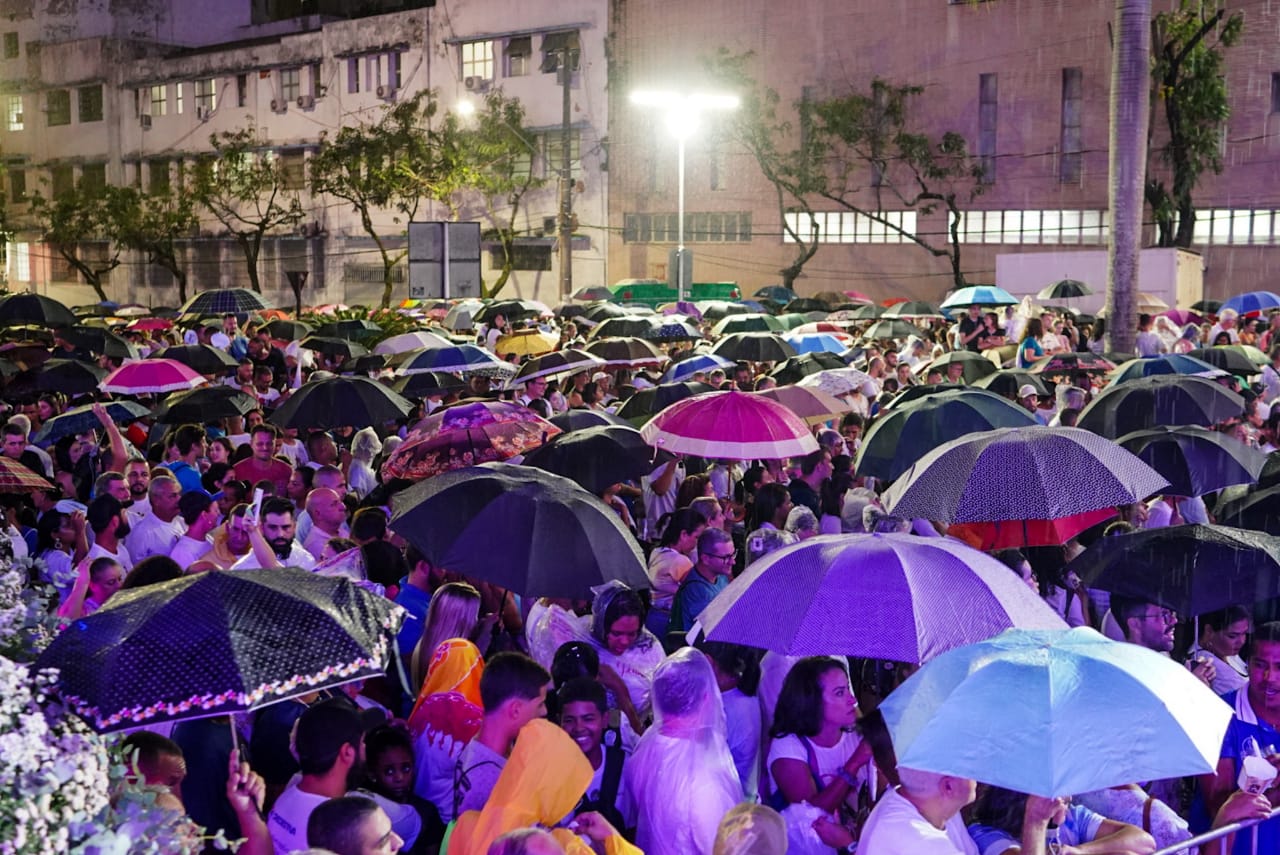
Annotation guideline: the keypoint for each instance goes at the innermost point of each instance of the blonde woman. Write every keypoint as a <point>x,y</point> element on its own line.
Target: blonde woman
<point>454,612</point>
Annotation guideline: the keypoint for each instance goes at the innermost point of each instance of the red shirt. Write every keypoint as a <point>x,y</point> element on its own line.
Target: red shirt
<point>276,471</point>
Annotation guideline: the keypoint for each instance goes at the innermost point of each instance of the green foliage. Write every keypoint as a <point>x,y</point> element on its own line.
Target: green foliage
<point>84,214</point>
<point>393,323</point>
<point>1189,87</point>
<point>153,223</point>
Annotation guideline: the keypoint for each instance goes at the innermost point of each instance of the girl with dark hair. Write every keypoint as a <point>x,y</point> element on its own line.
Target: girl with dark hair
<point>1223,634</point>
<point>1030,349</point>
<point>737,671</point>
<point>671,561</point>
<point>998,817</point>
<point>772,505</point>
<point>628,652</point>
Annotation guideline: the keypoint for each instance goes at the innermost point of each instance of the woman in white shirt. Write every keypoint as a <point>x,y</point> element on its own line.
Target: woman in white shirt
<point>1222,636</point>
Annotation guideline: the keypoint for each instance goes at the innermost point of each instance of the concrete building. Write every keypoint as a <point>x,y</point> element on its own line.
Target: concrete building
<point>131,92</point>
<point>1025,81</point>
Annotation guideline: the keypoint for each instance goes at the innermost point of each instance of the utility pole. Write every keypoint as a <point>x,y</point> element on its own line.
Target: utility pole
<point>566,179</point>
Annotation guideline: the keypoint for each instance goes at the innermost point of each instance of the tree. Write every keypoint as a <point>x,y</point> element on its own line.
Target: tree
<point>495,170</point>
<point>388,165</point>
<point>84,214</point>
<point>245,188</point>
<point>1187,81</point>
<point>153,224</point>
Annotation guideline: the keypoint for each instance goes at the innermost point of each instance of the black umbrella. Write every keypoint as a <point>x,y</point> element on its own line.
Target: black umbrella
<point>1270,474</point>
<point>625,351</point>
<point>1064,289</point>
<point>333,346</point>
<point>714,310</point>
<point>200,358</point>
<point>796,368</point>
<point>69,375</point>
<point>1161,399</point>
<point>596,458</point>
<point>349,328</point>
<point>1008,381</point>
<point>427,383</point>
<point>1259,510</point>
<point>649,402</point>
<point>924,390</point>
<point>529,531</point>
<point>1072,363</point>
<point>570,361</point>
<point>601,312</point>
<point>1227,358</point>
<point>341,402</point>
<point>203,405</point>
<point>976,366</point>
<point>287,330</point>
<point>99,340</point>
<point>37,309</point>
<point>754,347</point>
<point>913,309</point>
<point>624,327</point>
<point>1191,569</point>
<point>80,420</point>
<point>512,310</point>
<point>575,420</point>
<point>806,304</point>
<point>1194,460</point>
<point>217,643</point>
<point>891,328</point>
<point>666,329</point>
<point>867,312</point>
<point>1208,307</point>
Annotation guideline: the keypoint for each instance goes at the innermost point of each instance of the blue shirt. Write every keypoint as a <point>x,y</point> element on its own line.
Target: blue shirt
<point>1024,358</point>
<point>415,601</point>
<point>188,476</point>
<point>694,595</point>
<point>1079,826</point>
<point>1245,724</point>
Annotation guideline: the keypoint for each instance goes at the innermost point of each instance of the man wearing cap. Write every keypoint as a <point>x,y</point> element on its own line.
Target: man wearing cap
<point>1029,398</point>
<point>604,388</point>
<point>201,516</point>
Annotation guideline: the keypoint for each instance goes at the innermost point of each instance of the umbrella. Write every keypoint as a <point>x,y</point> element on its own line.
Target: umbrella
<point>1064,289</point>
<point>465,435</point>
<point>806,304</point>
<point>746,323</point>
<point>976,366</point>
<point>626,326</point>
<point>365,363</point>
<point>913,309</point>
<point>754,347</point>
<point>512,310</point>
<point>69,375</point>
<point>1228,358</point>
<point>1252,304</point>
<point>574,420</point>
<point>1007,382</point>
<point>1162,399</point>
<point>703,362</point>
<point>1019,534</point>
<point>730,425</point>
<point>820,327</point>
<point>924,390</point>
<point>286,330</point>
<point>835,381</point>
<point>427,383</point>
<point>15,477</point>
<point>596,458</point>
<point>464,359</point>
<point>1194,460</point>
<point>649,402</point>
<point>151,376</point>
<point>333,346</point>
<point>101,341</point>
<point>216,643</point>
<point>795,369</point>
<point>79,420</point>
<point>150,324</point>
<point>1191,569</point>
<point>410,341</point>
<point>1258,510</point>
<point>223,301</point>
<point>204,405</point>
<point>1169,363</point>
<point>812,405</point>
<point>869,312</point>
<point>462,316</point>
<point>629,352</point>
<point>201,358</point>
<point>816,343</point>
<point>601,312</point>
<point>1209,307</point>
<point>1014,710</point>
<point>349,328</point>
<point>982,295</point>
<point>526,343</point>
<point>569,361</point>
<point>529,531</point>
<point>908,432</point>
<point>1007,473</point>
<point>878,596</point>
<point>890,328</point>
<point>594,292</point>
<point>672,330</point>
<point>16,309</point>
<point>341,402</point>
<point>714,310</point>
<point>1182,317</point>
<point>776,293</point>
<point>1072,363</point>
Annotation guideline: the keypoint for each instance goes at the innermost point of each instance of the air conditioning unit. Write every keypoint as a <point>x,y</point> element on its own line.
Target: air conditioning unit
<point>306,102</point>
<point>279,105</point>
<point>204,113</point>
<point>386,93</point>
<point>145,119</point>
<point>476,84</point>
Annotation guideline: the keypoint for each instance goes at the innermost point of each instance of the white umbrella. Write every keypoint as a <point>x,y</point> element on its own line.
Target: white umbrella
<point>411,341</point>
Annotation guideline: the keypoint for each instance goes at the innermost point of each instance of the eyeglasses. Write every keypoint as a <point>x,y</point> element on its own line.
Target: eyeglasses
<point>1166,615</point>
<point>722,558</point>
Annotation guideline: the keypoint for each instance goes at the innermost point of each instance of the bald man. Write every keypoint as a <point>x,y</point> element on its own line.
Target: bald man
<point>328,519</point>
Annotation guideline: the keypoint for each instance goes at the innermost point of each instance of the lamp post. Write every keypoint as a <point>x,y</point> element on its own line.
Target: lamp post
<point>682,112</point>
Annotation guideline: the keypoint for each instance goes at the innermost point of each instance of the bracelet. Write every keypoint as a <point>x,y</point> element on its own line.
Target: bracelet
<point>846,776</point>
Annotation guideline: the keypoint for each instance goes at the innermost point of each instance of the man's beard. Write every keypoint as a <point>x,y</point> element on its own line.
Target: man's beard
<point>281,547</point>
<point>357,776</point>
<point>122,531</point>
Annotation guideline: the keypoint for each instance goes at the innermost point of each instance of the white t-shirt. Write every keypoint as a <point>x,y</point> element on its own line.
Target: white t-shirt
<point>288,819</point>
<point>895,827</point>
<point>153,536</point>
<point>298,557</point>
<point>120,556</point>
<point>188,550</point>
<point>657,506</point>
<point>829,760</point>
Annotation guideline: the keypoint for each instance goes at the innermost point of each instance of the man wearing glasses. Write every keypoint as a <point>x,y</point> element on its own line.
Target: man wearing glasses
<point>1151,625</point>
<point>709,577</point>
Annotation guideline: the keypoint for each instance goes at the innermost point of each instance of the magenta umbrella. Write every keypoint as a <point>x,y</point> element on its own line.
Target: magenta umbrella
<point>151,376</point>
<point>1182,317</point>
<point>731,426</point>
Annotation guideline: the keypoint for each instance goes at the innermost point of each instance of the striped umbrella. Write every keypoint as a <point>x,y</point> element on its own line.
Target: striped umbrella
<point>151,376</point>
<point>812,405</point>
<point>731,425</point>
<point>17,478</point>
<point>221,301</point>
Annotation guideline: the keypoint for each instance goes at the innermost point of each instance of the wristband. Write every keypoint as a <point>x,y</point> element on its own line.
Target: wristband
<point>846,776</point>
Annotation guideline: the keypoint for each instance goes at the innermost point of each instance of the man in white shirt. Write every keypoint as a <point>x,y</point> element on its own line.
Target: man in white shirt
<point>137,474</point>
<point>158,532</point>
<point>106,519</point>
<point>328,519</point>
<point>272,540</point>
<point>1148,342</point>
<point>1226,324</point>
<point>201,516</point>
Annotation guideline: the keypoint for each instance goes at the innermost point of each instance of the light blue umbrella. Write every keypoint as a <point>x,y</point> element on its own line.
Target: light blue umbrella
<point>815,343</point>
<point>686,368</point>
<point>983,295</point>
<point>1252,303</point>
<point>1056,713</point>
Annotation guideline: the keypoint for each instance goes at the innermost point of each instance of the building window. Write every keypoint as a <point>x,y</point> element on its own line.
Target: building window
<point>518,54</point>
<point>393,69</point>
<point>22,262</point>
<point>158,176</point>
<point>353,74</point>
<point>17,186</point>
<point>1236,226</point>
<point>59,106</point>
<point>293,168</point>
<point>1034,227</point>
<point>553,47</point>
<point>1275,91</point>
<point>159,100</point>
<point>987,126</point>
<point>62,180</point>
<point>700,227</point>
<point>10,45</point>
<point>317,81</point>
<point>851,227</point>
<point>242,90</point>
<point>178,98</point>
<point>89,99</point>
<point>206,94</point>
<point>524,256</point>
<point>93,177</point>
<point>15,118</point>
<point>1069,166</point>
<point>477,60</point>
<point>290,84</point>
<point>553,152</point>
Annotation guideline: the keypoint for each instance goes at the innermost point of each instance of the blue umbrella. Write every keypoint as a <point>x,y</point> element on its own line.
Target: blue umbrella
<point>776,293</point>
<point>461,359</point>
<point>81,420</point>
<point>221,301</point>
<point>1252,303</point>
<point>1172,363</point>
<point>686,368</point>
<point>1015,710</point>
<point>815,343</point>
<point>983,295</point>
<point>1195,460</point>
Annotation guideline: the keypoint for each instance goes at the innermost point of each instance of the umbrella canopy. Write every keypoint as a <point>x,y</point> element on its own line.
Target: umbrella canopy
<point>1064,289</point>
<point>521,528</point>
<point>913,309</point>
<point>1209,307</point>
<point>746,323</point>
<point>670,329</point>
<point>341,402</point>
<point>1014,710</point>
<point>982,295</point>
<point>206,404</point>
<point>365,363</point>
<point>223,301</point>
<point>812,405</point>
<point>878,596</point>
<point>796,368</point>
<point>217,643</point>
<point>201,358</point>
<point>907,433</point>
<point>349,328</point>
<point>1182,317</point>
<point>82,419</point>
<point>410,341</point>
<point>464,359</point>
<point>975,365</point>
<point>1191,569</point>
<point>575,420</point>
<point>835,381</point>
<point>150,324</point>
<point>17,478</point>
<point>1007,382</point>
<point>1019,534</point>
<point>1162,399</point>
<point>601,312</point>
<point>1258,511</point>
<point>512,310</point>
<point>776,293</point>
<point>526,343</point>
<point>890,328</point>
<point>1194,460</point>
<point>732,425</point>
<point>465,435</point>
<point>427,383</point>
<point>596,458</point>
<point>1252,304</point>
<point>627,326</point>
<point>1169,363</point>
<point>868,312</point>
<point>71,376</point>
<point>1072,363</point>
<point>99,340</point>
<point>16,309</point>
<point>151,376</point>
<point>333,346</point>
<point>649,402</point>
<point>703,362</point>
<point>629,352</point>
<point>714,310</point>
<point>818,342</point>
<point>924,390</point>
<point>754,347</point>
<point>282,329</point>
<point>806,304</point>
<point>1006,473</point>
<point>1230,358</point>
<point>569,361</point>
<point>462,316</point>
<point>594,292</point>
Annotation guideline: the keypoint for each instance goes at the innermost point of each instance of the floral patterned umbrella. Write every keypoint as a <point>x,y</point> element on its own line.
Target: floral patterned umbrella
<point>467,435</point>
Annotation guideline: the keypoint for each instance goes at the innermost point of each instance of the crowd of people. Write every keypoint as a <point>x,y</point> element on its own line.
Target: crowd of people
<point>608,723</point>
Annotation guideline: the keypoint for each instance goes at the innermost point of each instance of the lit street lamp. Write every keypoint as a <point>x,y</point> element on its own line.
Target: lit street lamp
<point>682,112</point>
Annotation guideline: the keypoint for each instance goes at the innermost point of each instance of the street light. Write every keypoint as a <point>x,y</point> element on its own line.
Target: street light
<point>682,113</point>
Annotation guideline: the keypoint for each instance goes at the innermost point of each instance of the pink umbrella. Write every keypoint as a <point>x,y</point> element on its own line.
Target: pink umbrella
<point>468,435</point>
<point>857,297</point>
<point>1182,317</point>
<point>732,426</point>
<point>151,376</point>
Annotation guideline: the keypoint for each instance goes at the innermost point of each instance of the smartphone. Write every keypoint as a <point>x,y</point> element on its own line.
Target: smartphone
<point>256,508</point>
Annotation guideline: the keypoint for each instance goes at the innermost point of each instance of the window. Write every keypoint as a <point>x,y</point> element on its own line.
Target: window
<point>987,126</point>
<point>1072,107</point>
<point>317,82</point>
<point>93,177</point>
<point>89,99</point>
<point>1237,226</point>
<point>159,100</point>
<point>1275,91</point>
<point>700,227</point>
<point>17,186</point>
<point>290,84</point>
<point>553,47</point>
<point>393,69</point>
<point>293,168</point>
<point>1034,227</point>
<point>852,227</point>
<point>524,256</point>
<point>353,74</point>
<point>517,55</point>
<point>10,45</point>
<point>158,176</point>
<point>177,97</point>
<point>22,262</point>
<point>553,153</point>
<point>477,60</point>
<point>62,180</point>
<point>58,103</point>
<point>206,94</point>
<point>15,118</point>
